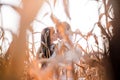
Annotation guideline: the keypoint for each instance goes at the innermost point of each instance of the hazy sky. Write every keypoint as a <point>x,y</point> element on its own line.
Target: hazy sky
<point>84,14</point>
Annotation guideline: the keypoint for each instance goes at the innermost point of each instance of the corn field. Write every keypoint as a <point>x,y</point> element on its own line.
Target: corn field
<point>60,56</point>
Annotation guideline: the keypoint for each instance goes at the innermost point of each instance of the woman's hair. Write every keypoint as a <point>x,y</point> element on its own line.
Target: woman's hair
<point>46,42</point>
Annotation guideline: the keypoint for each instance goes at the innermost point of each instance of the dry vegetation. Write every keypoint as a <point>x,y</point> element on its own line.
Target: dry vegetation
<point>71,61</point>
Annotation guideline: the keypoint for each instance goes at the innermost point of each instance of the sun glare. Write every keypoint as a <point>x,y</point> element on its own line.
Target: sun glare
<point>57,39</point>
<point>84,14</point>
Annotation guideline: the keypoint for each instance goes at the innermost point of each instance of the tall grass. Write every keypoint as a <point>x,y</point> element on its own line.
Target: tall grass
<point>71,61</point>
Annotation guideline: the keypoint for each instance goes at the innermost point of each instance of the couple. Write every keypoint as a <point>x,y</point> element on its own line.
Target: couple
<point>49,36</point>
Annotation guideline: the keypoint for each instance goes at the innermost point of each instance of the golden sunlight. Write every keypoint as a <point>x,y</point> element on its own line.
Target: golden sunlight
<point>56,39</point>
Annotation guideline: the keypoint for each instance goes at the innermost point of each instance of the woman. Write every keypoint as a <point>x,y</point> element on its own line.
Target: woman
<point>47,47</point>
